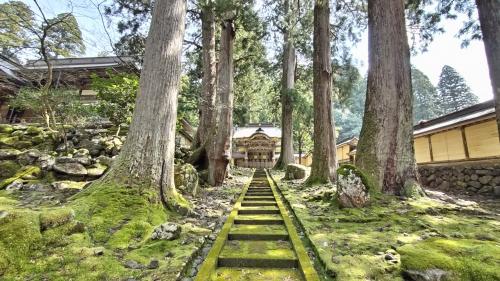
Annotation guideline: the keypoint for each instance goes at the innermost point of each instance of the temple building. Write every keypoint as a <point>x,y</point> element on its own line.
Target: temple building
<point>256,145</point>
<point>72,73</point>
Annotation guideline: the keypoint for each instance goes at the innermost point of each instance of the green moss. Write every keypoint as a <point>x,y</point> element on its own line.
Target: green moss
<point>38,139</point>
<point>32,130</point>
<point>19,236</point>
<point>56,217</point>
<point>118,215</point>
<point>465,259</point>
<point>27,172</point>
<point>6,128</point>
<point>8,168</point>
<point>9,141</point>
<point>22,144</point>
<point>346,168</point>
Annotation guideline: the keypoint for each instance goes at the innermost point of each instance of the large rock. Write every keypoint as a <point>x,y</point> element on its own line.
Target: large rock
<point>70,169</point>
<point>96,170</point>
<point>9,154</point>
<point>295,172</point>
<point>166,231</point>
<point>352,191</point>
<point>6,128</point>
<point>186,179</point>
<point>8,168</point>
<point>46,162</point>
<point>427,275</point>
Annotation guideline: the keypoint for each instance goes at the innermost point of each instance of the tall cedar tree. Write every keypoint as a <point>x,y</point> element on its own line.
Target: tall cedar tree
<point>425,97</point>
<point>287,88</point>
<point>489,18</point>
<point>208,89</point>
<point>147,158</point>
<point>385,149</point>
<point>323,160</point>
<point>454,94</point>
<point>219,148</point>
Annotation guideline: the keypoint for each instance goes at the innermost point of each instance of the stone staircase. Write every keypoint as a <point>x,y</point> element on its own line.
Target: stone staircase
<point>258,241</point>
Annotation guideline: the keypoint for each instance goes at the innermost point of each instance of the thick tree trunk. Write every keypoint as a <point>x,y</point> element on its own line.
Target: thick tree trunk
<point>324,161</point>
<point>385,148</point>
<point>147,158</point>
<point>208,81</point>
<point>287,86</point>
<point>219,149</point>
<point>489,17</point>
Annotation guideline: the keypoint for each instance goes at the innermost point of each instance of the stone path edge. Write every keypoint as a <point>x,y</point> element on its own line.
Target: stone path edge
<point>210,263</point>
<point>305,264</point>
<point>300,224</point>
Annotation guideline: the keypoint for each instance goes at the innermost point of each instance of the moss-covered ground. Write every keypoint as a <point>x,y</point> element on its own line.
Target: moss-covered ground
<point>95,233</point>
<point>391,236</point>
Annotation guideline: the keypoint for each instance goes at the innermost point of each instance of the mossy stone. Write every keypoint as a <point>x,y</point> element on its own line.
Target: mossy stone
<point>8,141</point>
<point>56,217</point>
<point>6,128</point>
<point>38,139</point>
<point>9,154</point>
<point>8,168</point>
<point>22,144</point>
<point>344,170</point>
<point>26,172</point>
<point>32,130</point>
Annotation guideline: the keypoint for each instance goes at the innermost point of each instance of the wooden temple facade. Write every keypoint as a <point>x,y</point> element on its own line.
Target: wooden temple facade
<point>256,146</point>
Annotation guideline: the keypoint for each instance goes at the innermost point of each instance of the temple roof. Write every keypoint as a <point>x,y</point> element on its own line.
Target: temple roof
<point>248,131</point>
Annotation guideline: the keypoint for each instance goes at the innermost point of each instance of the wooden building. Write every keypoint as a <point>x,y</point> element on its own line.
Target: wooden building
<point>467,134</point>
<point>73,73</point>
<point>256,146</point>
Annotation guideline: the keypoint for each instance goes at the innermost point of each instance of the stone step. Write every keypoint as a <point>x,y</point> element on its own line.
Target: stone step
<point>256,274</point>
<point>258,198</point>
<point>258,203</point>
<point>266,254</point>
<point>259,194</point>
<point>258,232</point>
<point>257,210</point>
<point>263,219</point>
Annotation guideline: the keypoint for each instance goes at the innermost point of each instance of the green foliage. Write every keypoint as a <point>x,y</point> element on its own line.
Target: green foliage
<point>303,113</point>
<point>349,112</point>
<point>116,96</point>
<point>13,34</point>
<point>454,93</point>
<point>425,97</point>
<point>23,33</point>
<point>54,105</point>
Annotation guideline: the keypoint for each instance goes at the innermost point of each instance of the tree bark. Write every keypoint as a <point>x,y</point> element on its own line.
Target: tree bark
<point>385,149</point>
<point>324,159</point>
<point>489,18</point>
<point>219,149</point>
<point>287,86</point>
<point>208,81</point>
<point>147,158</point>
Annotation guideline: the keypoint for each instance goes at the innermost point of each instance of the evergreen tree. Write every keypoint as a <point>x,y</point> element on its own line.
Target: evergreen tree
<point>454,93</point>
<point>425,97</point>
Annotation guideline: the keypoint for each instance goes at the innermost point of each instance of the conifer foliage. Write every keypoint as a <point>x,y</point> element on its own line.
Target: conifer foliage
<point>454,93</point>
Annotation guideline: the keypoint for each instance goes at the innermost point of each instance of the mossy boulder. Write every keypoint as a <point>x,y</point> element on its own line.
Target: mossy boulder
<point>38,139</point>
<point>8,141</point>
<point>23,144</point>
<point>25,173</point>
<point>54,218</point>
<point>32,130</point>
<point>351,189</point>
<point>70,169</point>
<point>96,170</point>
<point>8,168</point>
<point>9,153</point>
<point>295,172</point>
<point>186,179</point>
<point>6,128</point>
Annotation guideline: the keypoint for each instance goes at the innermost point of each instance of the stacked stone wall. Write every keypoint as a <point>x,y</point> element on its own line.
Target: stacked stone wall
<point>471,177</point>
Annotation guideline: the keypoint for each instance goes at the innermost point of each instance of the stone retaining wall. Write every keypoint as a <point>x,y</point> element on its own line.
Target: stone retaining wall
<point>472,177</point>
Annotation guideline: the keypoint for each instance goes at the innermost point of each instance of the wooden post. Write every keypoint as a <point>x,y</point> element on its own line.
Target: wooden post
<point>430,147</point>
<point>464,141</point>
